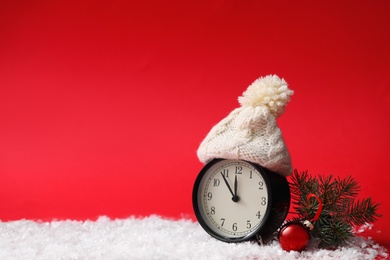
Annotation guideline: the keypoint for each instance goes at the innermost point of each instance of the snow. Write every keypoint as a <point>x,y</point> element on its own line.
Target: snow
<point>152,237</point>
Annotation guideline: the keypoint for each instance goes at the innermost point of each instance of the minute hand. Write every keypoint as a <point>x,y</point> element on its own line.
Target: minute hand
<point>234,197</point>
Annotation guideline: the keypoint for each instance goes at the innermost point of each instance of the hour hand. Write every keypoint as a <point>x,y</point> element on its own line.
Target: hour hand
<point>235,196</point>
<point>235,186</point>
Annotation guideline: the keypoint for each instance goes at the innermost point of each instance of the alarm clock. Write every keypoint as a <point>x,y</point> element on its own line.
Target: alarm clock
<point>237,200</point>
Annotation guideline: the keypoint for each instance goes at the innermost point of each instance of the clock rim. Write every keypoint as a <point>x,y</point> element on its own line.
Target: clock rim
<point>200,218</point>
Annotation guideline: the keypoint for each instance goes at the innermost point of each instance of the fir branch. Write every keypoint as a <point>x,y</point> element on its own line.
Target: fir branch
<point>302,185</point>
<point>331,232</point>
<point>347,190</point>
<point>361,212</point>
<point>340,211</point>
<point>327,190</point>
<point>349,187</point>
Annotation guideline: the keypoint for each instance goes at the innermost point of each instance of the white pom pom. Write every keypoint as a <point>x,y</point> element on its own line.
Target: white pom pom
<point>270,91</point>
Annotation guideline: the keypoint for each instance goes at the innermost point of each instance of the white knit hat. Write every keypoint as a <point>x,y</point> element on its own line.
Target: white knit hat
<point>250,132</point>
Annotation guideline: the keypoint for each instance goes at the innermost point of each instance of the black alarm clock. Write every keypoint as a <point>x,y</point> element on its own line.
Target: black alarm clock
<point>237,200</point>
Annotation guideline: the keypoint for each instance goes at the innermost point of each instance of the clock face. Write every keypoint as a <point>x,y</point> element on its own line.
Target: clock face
<point>231,199</point>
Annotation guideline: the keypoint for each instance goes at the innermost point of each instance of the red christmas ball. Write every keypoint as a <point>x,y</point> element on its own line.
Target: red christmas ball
<point>294,236</point>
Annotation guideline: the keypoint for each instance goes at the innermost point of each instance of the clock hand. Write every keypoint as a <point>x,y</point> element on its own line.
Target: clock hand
<point>235,186</point>
<point>234,198</point>
<point>227,184</point>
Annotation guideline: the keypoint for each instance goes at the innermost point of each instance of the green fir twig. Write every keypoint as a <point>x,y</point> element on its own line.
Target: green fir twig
<point>341,210</point>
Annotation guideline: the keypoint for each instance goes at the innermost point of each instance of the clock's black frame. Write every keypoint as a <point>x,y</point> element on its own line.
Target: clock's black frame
<point>278,200</point>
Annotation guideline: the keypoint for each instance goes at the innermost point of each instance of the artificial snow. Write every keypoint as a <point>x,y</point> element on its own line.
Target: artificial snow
<point>149,238</point>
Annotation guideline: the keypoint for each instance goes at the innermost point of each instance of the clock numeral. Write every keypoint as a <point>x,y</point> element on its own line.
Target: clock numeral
<point>258,214</point>
<point>238,169</point>
<point>212,210</point>
<point>234,227</point>
<point>209,196</point>
<point>225,172</point>
<point>261,184</point>
<point>263,201</point>
<point>250,175</point>
<point>248,224</point>
<point>223,221</point>
<point>216,182</point>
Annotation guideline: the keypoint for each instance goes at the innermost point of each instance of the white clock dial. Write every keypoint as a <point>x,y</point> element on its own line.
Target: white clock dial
<point>233,198</point>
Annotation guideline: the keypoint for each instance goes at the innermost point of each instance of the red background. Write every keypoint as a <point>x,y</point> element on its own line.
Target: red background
<point>104,103</point>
